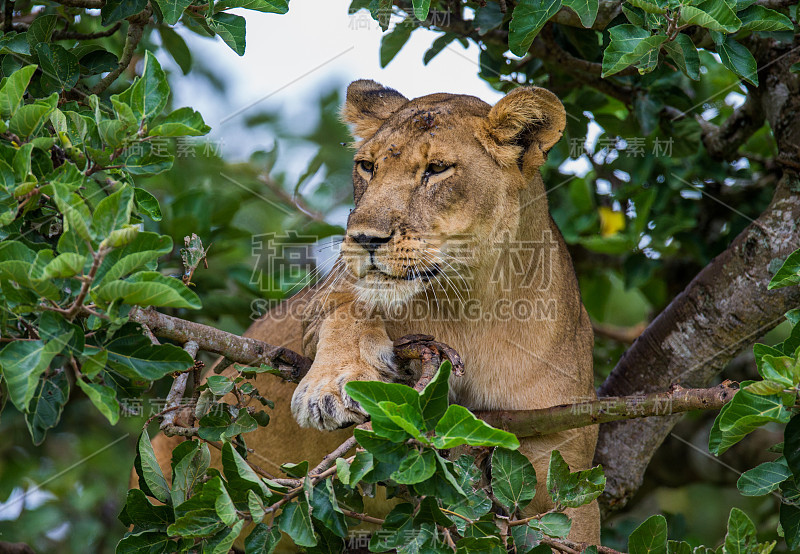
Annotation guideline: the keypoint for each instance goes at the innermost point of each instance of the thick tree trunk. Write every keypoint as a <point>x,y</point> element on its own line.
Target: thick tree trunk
<point>724,310</point>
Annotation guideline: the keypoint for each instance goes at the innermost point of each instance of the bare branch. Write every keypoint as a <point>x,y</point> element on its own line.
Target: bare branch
<point>90,4</point>
<point>72,35</point>
<point>241,350</point>
<point>722,142</point>
<point>535,423</point>
<point>135,31</point>
<point>175,394</point>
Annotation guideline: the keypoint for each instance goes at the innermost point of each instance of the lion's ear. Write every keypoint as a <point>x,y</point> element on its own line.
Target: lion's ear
<point>369,105</point>
<point>523,126</point>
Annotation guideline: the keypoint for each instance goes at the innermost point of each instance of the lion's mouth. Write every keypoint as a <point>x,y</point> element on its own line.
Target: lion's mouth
<point>412,275</point>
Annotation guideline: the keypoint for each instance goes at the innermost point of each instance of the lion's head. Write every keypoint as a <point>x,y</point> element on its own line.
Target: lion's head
<point>437,180</point>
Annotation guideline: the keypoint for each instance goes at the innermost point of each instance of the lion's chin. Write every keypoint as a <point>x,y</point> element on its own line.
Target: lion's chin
<point>381,291</point>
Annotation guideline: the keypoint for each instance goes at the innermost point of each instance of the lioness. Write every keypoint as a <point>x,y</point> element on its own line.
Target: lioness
<point>450,210</point>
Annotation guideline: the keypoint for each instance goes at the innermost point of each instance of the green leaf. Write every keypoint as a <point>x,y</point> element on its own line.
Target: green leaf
<point>219,384</point>
<point>172,10</point>
<point>94,363</point>
<point>76,213</point>
<point>144,160</point>
<point>181,122</point>
<point>781,369</point>
<point>196,524</point>
<point>765,388</point>
<point>743,414</point>
<point>573,489</point>
<point>231,29</point>
<point>22,362</point>
<point>738,58</point>
<point>41,30</point>
<point>433,400</point>
<point>351,474</point>
<point>255,506</point>
<point>141,252</point>
<point>761,19</point>
<point>526,539</point>
<point>790,522</point>
<point>553,525</point>
<point>325,508</point>
<point>791,445</point>
<point>788,274</point>
<point>711,14</point>
<point>104,399</point>
<point>298,471</point>
<point>764,478</point>
<point>113,212</point>
<point>586,10</point>
<point>629,45</point>
<point>527,20</point>
<point>147,542</point>
<point>140,512</point>
<point>29,119</point>
<point>650,6</point>
<point>416,467</point>
<point>405,416</point>
<point>64,265</point>
<point>650,537</point>
<point>13,90</point>
<point>240,476</point>
<point>60,67</point>
<point>295,521</point>
<point>513,479</point>
<point>173,43</point>
<point>189,466</point>
<point>213,426</point>
<point>393,41</point>
<point>116,10</point>
<point>683,52</point>
<point>741,537</point>
<point>147,204</point>
<point>136,357</point>
<point>264,6</point>
<point>244,423</point>
<point>149,288</point>
<point>148,95</point>
<point>98,61</point>
<point>421,8</point>
<point>458,426</point>
<point>46,405</point>
<point>151,479</point>
<point>370,393</point>
<point>223,503</point>
<point>480,545</point>
<point>262,539</point>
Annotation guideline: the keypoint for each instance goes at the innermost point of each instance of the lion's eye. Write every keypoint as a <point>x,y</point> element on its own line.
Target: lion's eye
<point>366,166</point>
<point>435,168</point>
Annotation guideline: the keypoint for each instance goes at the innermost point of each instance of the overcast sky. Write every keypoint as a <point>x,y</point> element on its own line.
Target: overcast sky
<point>292,58</point>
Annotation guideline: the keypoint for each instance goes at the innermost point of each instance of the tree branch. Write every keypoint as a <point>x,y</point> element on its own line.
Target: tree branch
<point>535,423</point>
<point>722,142</point>
<point>721,312</point>
<point>243,350</point>
<point>136,25</point>
<point>72,35</point>
<point>90,4</point>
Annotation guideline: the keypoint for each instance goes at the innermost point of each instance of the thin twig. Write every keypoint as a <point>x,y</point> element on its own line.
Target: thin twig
<point>135,31</point>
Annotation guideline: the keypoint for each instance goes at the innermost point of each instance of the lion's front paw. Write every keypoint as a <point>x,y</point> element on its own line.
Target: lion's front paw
<point>320,400</point>
<point>323,403</point>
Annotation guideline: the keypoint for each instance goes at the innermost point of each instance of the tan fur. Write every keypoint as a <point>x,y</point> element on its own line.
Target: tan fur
<point>430,231</point>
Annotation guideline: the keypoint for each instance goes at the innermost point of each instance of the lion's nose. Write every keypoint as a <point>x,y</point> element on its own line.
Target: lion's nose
<point>370,243</point>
